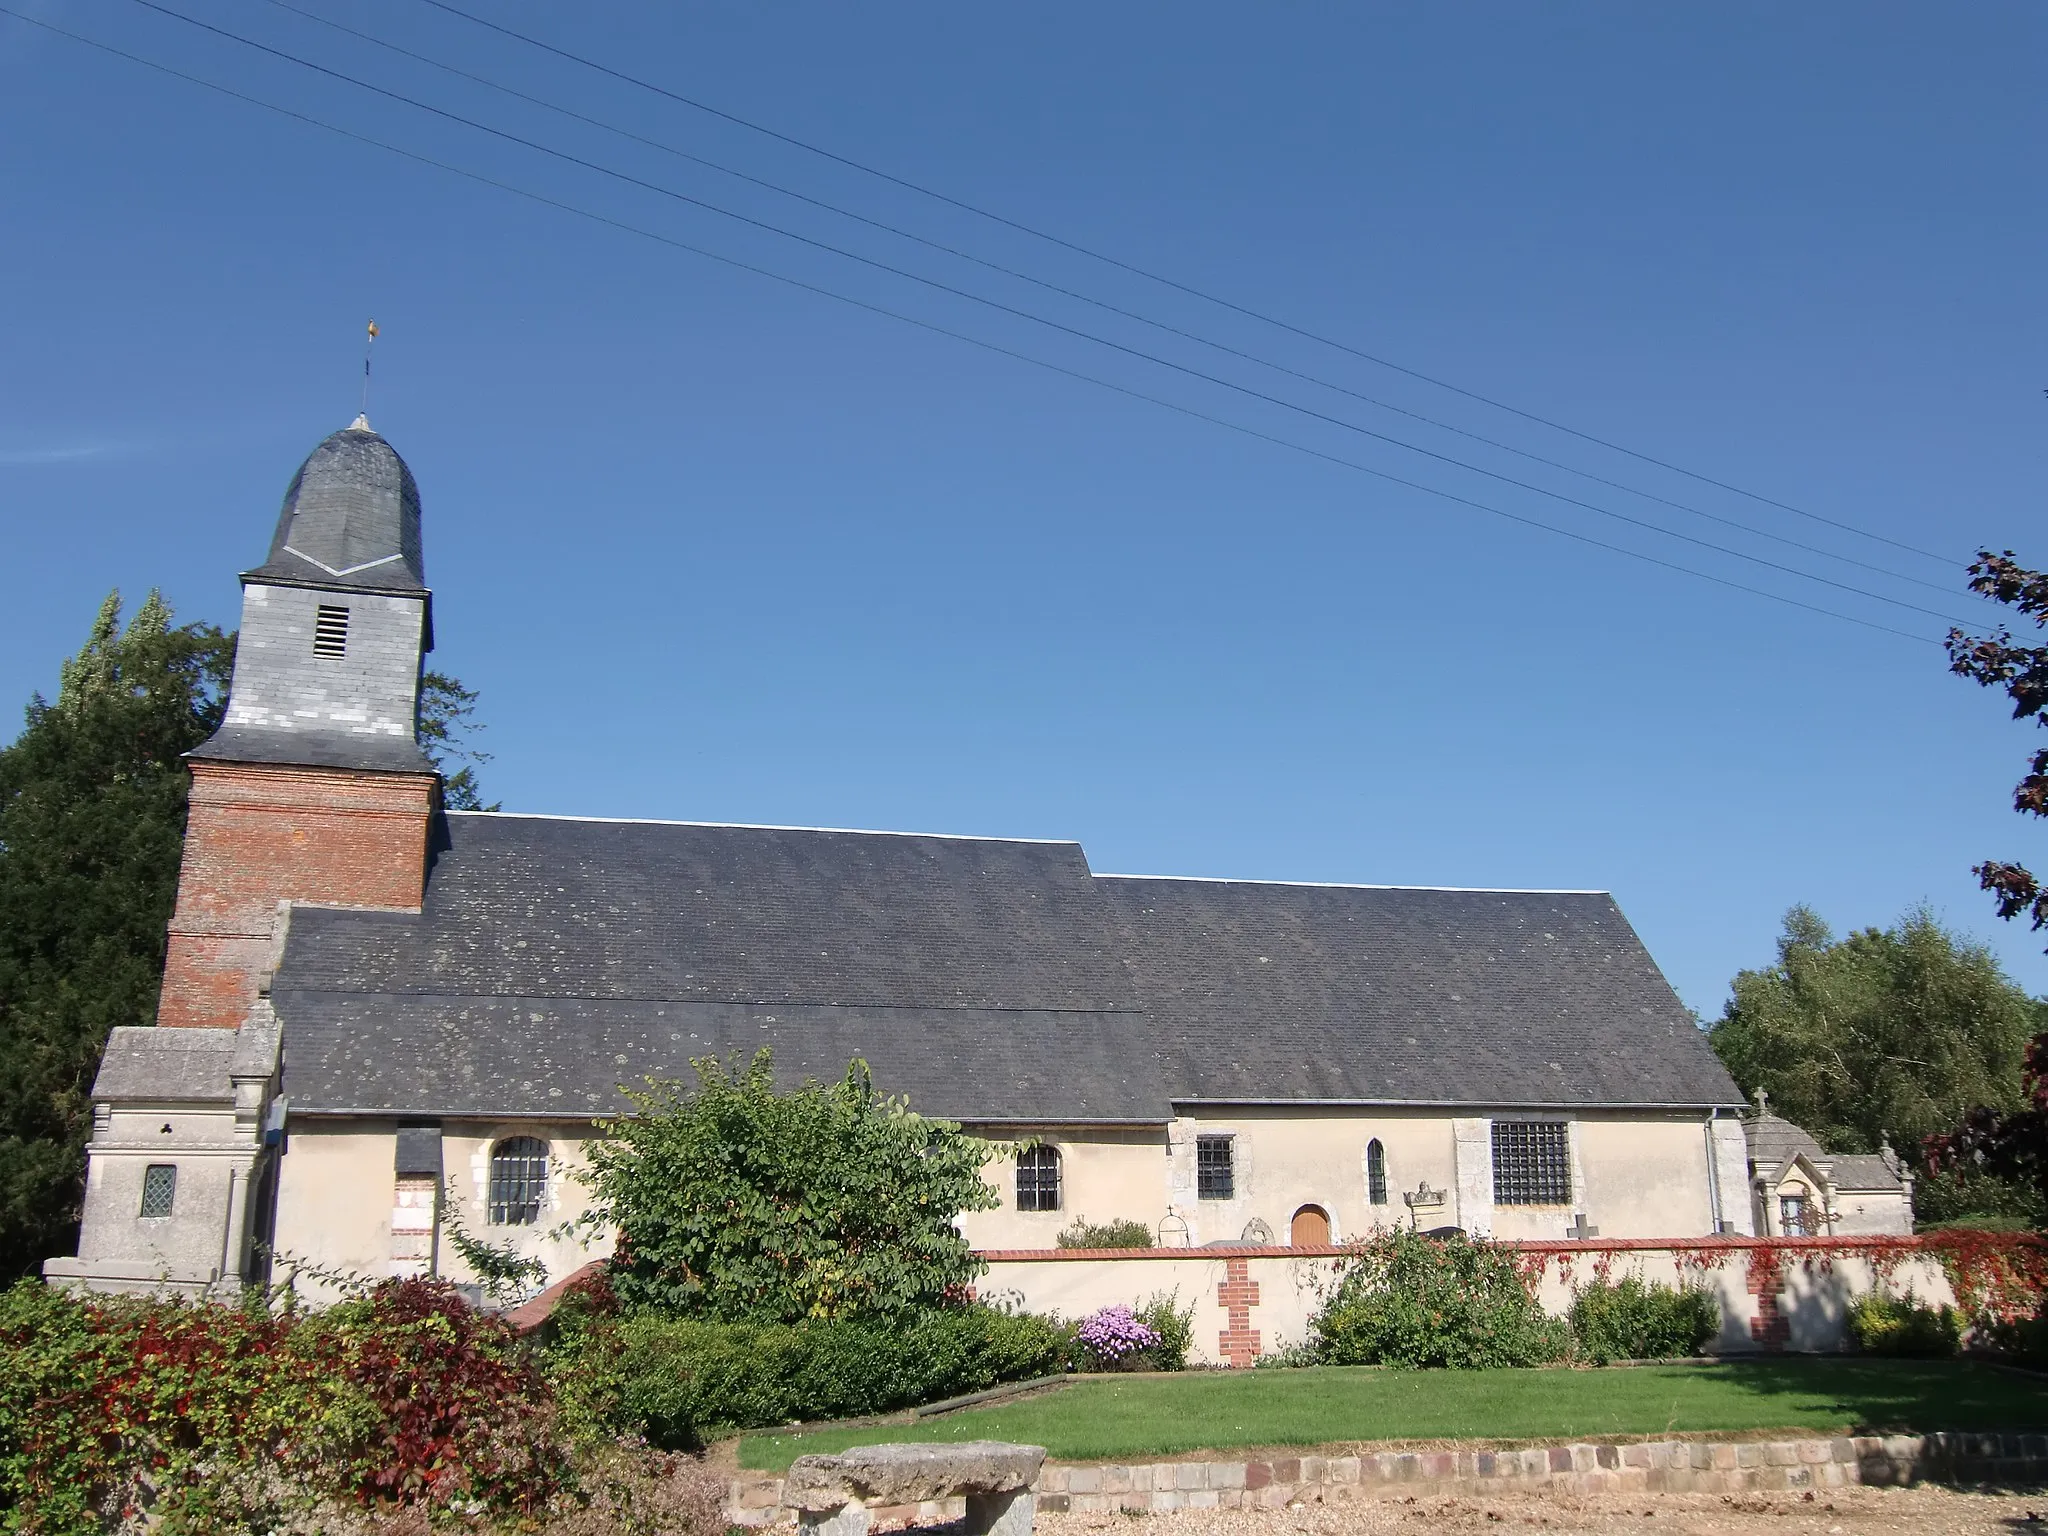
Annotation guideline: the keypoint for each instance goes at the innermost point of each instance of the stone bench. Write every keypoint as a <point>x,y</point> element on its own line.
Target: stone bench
<point>832,1494</point>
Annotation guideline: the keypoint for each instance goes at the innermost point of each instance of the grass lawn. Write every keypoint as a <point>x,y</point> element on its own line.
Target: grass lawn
<point>1209,1410</point>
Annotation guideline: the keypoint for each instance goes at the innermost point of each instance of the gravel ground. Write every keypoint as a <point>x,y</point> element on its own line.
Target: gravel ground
<point>1840,1512</point>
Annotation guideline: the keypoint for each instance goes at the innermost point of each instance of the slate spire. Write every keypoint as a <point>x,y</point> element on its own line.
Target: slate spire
<point>351,519</point>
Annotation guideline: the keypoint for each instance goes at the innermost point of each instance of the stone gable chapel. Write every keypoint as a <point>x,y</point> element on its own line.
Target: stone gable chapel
<point>378,1013</point>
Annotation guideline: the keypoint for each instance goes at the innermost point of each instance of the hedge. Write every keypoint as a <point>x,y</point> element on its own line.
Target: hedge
<point>676,1380</point>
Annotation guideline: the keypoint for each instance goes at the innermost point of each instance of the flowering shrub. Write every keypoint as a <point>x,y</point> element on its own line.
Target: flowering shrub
<point>1115,1334</point>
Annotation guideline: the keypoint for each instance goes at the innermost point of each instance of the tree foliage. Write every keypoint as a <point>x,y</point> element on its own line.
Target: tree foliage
<point>1994,1138</point>
<point>92,818</point>
<point>738,1203</point>
<point>1887,1035</point>
<point>1998,661</point>
<point>92,823</point>
<point>447,721</point>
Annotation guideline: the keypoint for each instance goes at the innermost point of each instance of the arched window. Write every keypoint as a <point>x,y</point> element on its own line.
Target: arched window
<point>519,1181</point>
<point>1375,1172</point>
<point>1038,1178</point>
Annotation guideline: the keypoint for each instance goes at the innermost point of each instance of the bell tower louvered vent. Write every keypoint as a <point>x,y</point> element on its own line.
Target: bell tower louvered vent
<point>330,630</point>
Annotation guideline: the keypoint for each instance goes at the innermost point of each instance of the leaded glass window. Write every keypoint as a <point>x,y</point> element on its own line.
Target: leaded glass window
<point>1532,1162</point>
<point>519,1181</point>
<point>1215,1168</point>
<point>1375,1172</point>
<point>1038,1179</point>
<point>159,1189</point>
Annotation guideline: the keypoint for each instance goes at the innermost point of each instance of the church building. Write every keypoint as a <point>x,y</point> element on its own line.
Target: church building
<point>381,1016</point>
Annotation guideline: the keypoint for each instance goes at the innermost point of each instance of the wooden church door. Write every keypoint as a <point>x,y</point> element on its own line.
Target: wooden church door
<point>1311,1228</point>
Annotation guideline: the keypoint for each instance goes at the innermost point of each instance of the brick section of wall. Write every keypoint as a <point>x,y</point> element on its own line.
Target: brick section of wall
<point>1770,1329</point>
<point>1237,1295</point>
<point>1658,1466</point>
<point>257,835</point>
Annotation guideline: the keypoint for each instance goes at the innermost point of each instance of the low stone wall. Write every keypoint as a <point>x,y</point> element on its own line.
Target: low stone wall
<point>1655,1466</point>
<point>1775,1294</point>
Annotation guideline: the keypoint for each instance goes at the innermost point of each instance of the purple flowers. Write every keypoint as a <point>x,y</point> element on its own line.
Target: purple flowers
<point>1115,1332</point>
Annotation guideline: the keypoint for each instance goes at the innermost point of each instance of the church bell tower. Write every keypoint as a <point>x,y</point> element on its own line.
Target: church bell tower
<point>315,788</point>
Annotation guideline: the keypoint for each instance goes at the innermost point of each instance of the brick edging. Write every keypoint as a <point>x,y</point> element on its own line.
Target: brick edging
<point>1651,1466</point>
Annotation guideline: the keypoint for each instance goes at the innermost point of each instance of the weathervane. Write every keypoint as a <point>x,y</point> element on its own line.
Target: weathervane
<point>367,345</point>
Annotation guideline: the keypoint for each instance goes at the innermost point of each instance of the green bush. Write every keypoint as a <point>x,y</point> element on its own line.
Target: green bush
<point>1408,1300</point>
<point>2025,1339</point>
<point>1630,1320</point>
<point>1890,1325</point>
<point>675,1379</point>
<point>1175,1325</point>
<point>1290,1357</point>
<point>736,1203</point>
<point>1124,1233</point>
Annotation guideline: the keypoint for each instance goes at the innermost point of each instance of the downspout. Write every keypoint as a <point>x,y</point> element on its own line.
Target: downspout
<point>1720,1220</point>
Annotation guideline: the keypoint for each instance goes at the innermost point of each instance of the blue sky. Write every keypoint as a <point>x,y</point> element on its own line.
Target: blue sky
<point>717,548</point>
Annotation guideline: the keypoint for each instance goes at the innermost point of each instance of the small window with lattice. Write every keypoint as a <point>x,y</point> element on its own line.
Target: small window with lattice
<point>159,1189</point>
<point>519,1181</point>
<point>1038,1179</point>
<point>330,630</point>
<point>1215,1167</point>
<point>1375,1172</point>
<point>1532,1162</point>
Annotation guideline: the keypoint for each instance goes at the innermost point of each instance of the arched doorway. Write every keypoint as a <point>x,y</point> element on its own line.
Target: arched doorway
<point>1310,1228</point>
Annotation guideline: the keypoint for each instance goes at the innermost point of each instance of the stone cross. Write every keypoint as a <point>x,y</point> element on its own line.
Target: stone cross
<point>1581,1229</point>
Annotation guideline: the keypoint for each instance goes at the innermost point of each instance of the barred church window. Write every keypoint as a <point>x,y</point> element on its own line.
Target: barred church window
<point>159,1189</point>
<point>1532,1163</point>
<point>519,1181</point>
<point>330,630</point>
<point>1375,1172</point>
<point>1794,1219</point>
<point>1038,1179</point>
<point>1215,1170</point>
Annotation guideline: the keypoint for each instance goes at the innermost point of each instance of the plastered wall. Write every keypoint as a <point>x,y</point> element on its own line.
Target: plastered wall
<point>1639,1175</point>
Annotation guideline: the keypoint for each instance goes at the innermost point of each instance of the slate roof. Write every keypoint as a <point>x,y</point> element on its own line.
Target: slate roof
<point>328,749</point>
<point>149,1065</point>
<point>990,980</point>
<point>351,519</point>
<point>556,959</point>
<point>1774,1141</point>
<point>1392,995</point>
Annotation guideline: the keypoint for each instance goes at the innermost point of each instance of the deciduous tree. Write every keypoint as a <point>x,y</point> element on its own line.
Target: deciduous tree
<point>1887,1035</point>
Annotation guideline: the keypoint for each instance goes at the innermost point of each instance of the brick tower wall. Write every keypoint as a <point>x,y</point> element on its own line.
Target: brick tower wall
<point>258,835</point>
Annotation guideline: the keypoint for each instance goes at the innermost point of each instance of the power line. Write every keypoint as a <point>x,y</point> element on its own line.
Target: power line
<point>1150,276</point>
<point>1089,299</point>
<point>961,336</point>
<point>1051,324</point>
